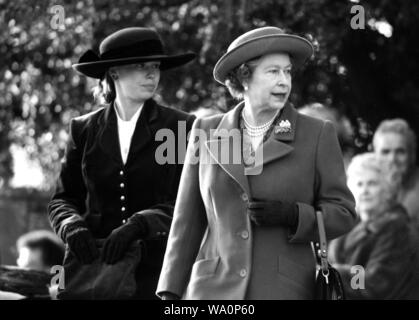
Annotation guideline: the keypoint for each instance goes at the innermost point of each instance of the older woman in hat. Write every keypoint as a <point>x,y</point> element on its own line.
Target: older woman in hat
<point>111,185</point>
<point>242,228</point>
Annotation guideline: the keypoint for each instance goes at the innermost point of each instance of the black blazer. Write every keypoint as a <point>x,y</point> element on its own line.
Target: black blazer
<point>95,185</point>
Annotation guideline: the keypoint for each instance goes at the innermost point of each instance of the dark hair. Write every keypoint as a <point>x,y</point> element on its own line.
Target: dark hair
<point>236,77</point>
<point>50,245</point>
<point>105,89</point>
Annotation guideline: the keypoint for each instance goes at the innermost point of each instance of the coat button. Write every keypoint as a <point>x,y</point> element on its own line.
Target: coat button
<point>121,173</point>
<point>123,209</point>
<point>122,198</point>
<point>124,221</point>
<point>243,273</point>
<point>245,234</point>
<point>122,185</point>
<point>244,197</point>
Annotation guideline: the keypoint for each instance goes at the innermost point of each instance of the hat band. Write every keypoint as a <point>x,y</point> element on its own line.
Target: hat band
<point>139,49</point>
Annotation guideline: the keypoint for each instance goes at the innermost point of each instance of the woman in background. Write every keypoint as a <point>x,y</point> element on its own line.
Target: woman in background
<point>377,259</point>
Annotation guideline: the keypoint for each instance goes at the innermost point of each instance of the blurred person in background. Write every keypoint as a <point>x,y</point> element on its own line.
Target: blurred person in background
<point>39,250</point>
<point>383,243</point>
<point>394,143</point>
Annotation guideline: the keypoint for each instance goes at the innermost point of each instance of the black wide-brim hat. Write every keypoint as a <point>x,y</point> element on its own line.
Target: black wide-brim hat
<point>259,42</point>
<point>128,46</point>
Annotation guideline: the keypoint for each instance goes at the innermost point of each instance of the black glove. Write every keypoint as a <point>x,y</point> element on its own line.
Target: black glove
<point>81,243</point>
<point>119,241</point>
<point>270,213</point>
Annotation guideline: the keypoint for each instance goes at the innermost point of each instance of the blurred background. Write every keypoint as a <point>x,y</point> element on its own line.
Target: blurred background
<point>362,75</point>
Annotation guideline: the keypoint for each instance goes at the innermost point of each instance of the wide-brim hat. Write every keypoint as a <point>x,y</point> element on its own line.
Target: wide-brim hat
<point>127,46</point>
<point>258,42</point>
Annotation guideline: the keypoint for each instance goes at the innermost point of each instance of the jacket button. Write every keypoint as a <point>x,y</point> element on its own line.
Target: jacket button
<point>123,209</point>
<point>243,273</point>
<point>121,173</point>
<point>245,197</point>
<point>122,198</point>
<point>245,234</point>
<point>124,221</point>
<point>122,185</point>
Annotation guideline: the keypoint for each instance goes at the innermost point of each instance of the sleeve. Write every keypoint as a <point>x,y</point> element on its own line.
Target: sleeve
<point>156,220</point>
<point>332,195</point>
<point>188,226</point>
<point>68,201</point>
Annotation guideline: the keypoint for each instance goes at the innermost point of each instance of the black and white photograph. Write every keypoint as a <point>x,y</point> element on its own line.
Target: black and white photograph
<point>225,151</point>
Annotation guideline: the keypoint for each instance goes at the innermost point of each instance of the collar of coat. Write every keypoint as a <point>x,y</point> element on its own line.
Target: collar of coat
<point>276,147</point>
<point>143,132</point>
<point>390,216</point>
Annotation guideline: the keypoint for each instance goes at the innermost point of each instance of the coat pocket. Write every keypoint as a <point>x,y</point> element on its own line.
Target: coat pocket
<point>204,268</point>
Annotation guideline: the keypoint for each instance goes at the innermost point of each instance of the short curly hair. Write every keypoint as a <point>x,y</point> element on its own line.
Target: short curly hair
<point>236,77</point>
<point>369,162</point>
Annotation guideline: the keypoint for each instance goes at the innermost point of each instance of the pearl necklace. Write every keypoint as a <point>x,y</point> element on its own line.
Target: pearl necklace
<point>257,131</point>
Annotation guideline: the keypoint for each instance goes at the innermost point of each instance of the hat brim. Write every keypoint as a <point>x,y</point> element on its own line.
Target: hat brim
<point>97,69</point>
<point>297,47</point>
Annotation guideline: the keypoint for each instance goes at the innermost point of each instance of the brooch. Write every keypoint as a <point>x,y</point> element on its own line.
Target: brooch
<point>284,126</point>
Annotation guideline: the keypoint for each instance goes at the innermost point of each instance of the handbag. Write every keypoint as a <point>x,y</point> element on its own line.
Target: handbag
<point>328,284</point>
<point>99,280</point>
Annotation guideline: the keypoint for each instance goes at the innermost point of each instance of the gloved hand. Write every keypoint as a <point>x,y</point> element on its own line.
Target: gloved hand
<point>119,241</point>
<point>81,243</point>
<point>270,213</point>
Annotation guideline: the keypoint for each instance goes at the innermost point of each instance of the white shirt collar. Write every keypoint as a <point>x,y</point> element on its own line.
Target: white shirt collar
<point>126,130</point>
<point>133,119</point>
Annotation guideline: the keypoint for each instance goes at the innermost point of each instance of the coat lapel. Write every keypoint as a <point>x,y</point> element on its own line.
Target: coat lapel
<point>144,129</point>
<point>220,145</point>
<point>143,133</point>
<point>109,139</point>
<point>275,148</point>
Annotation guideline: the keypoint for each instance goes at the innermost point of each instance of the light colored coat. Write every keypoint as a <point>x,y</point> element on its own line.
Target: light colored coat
<point>214,252</point>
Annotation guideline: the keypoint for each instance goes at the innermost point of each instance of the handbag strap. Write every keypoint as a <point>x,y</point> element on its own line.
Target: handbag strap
<point>323,244</point>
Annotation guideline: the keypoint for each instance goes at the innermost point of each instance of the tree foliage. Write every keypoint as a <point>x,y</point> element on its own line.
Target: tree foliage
<point>362,73</point>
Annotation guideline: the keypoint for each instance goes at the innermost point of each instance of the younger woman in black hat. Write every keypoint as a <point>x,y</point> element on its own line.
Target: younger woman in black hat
<point>111,186</point>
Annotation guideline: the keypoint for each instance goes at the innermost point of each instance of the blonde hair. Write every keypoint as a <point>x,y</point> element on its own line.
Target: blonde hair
<point>369,162</point>
<point>399,126</point>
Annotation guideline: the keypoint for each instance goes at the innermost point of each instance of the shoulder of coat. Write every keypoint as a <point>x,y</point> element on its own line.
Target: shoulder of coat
<point>210,122</point>
<point>91,115</point>
<point>311,125</point>
<point>175,113</point>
